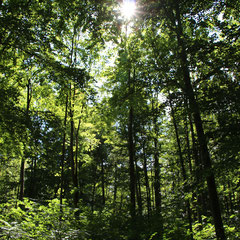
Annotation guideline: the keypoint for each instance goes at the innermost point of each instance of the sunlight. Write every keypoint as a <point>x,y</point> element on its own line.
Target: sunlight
<point>128,8</point>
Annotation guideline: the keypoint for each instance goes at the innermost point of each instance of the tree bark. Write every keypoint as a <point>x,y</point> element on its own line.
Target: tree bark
<point>22,168</point>
<point>198,169</point>
<point>178,141</point>
<point>138,191</point>
<point>157,187</point>
<point>148,191</point>
<point>22,171</point>
<point>189,211</point>
<point>152,187</point>
<point>188,145</point>
<point>102,181</point>
<point>115,184</point>
<point>131,164</point>
<point>157,177</point>
<point>93,195</point>
<point>131,150</point>
<point>63,154</point>
<point>72,162</point>
<point>76,196</point>
<point>212,189</point>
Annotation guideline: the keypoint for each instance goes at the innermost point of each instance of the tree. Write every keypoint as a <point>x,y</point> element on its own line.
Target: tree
<point>120,129</point>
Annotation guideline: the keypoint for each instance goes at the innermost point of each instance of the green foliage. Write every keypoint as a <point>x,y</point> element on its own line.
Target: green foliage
<point>152,236</point>
<point>204,231</point>
<point>31,220</point>
<point>56,57</point>
<point>106,225</point>
<point>207,231</point>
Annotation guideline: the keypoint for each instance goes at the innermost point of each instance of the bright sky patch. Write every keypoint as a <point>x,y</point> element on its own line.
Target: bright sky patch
<point>128,8</point>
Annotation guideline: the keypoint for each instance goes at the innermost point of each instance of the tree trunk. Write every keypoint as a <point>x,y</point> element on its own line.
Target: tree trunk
<point>198,169</point>
<point>212,189</point>
<point>22,168</point>
<point>32,186</point>
<point>76,196</point>
<point>115,184</point>
<point>93,195</point>
<point>131,150</point>
<point>189,211</point>
<point>102,181</point>
<point>78,164</point>
<point>63,154</point>
<point>138,190</point>
<point>152,188</point>
<point>131,153</point>
<point>178,141</point>
<point>157,177</point>
<point>131,165</point>
<point>72,162</point>
<point>188,146</point>
<point>148,191</point>
<point>157,188</point>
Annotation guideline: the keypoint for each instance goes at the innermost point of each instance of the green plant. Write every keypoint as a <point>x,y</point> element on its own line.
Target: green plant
<point>31,220</point>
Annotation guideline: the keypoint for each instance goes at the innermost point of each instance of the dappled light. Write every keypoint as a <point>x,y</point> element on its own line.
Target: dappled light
<point>119,120</point>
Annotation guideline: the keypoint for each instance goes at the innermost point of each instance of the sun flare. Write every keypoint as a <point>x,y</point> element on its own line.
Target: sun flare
<point>128,8</point>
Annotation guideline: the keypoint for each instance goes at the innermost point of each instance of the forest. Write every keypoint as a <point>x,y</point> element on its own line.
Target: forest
<point>120,119</point>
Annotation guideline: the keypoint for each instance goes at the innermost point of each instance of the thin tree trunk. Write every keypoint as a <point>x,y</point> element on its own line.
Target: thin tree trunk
<point>212,189</point>
<point>32,187</point>
<point>148,191</point>
<point>78,164</point>
<point>157,188</point>
<point>93,196</point>
<point>102,181</point>
<point>76,152</point>
<point>115,184</point>
<point>76,196</point>
<point>189,211</point>
<point>198,169</point>
<point>157,177</point>
<point>22,171</point>
<point>178,141</point>
<point>72,162</point>
<point>22,168</point>
<point>152,187</point>
<point>188,147</point>
<point>139,192</point>
<point>63,153</point>
<point>131,164</point>
<point>131,151</point>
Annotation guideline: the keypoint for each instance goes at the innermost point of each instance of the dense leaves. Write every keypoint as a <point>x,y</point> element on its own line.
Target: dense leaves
<point>114,128</point>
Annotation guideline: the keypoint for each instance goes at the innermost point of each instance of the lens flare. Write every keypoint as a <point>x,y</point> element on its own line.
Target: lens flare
<point>128,8</point>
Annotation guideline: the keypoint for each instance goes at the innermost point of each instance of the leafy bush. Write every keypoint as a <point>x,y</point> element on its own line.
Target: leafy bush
<point>31,220</point>
<point>207,230</point>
